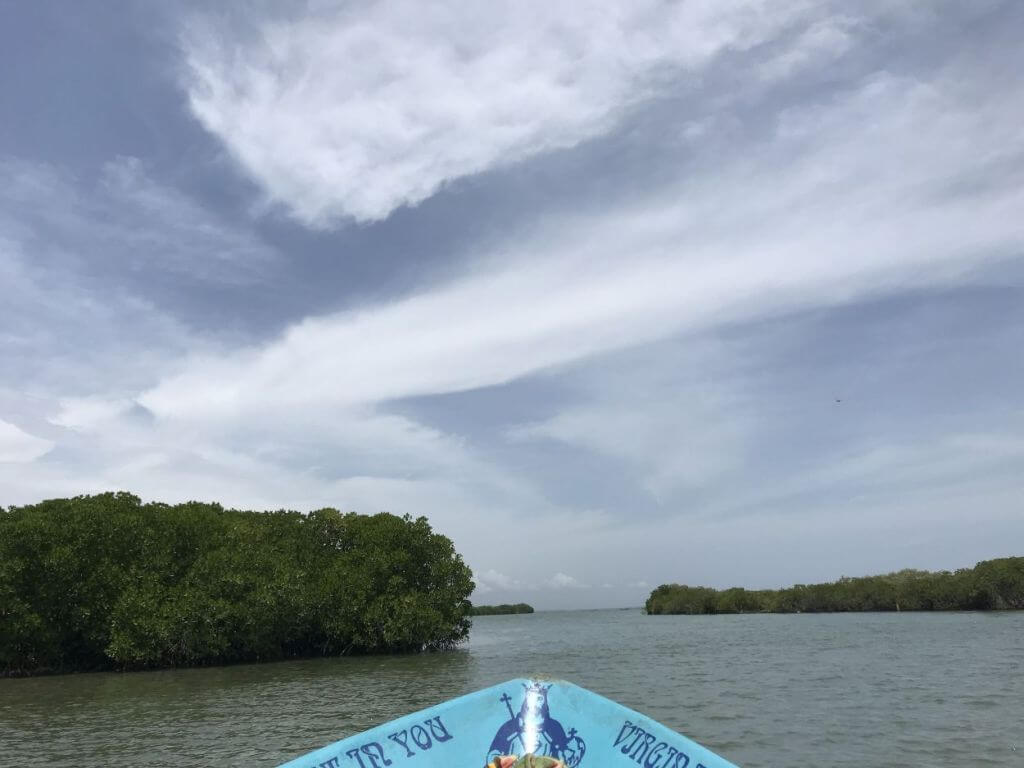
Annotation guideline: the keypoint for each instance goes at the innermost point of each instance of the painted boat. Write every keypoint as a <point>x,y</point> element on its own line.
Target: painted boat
<point>520,717</point>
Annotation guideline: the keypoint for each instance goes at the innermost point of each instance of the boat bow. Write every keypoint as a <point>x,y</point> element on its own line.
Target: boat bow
<point>542,717</point>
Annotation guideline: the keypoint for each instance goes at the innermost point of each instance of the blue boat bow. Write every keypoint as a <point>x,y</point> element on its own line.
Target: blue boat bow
<point>543,717</point>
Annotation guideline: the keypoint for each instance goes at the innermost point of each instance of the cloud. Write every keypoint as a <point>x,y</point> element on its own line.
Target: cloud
<point>724,173</point>
<point>822,40</point>
<point>173,232</point>
<point>491,579</point>
<point>565,581</point>
<point>89,412</point>
<point>18,446</point>
<point>94,270</point>
<point>848,199</point>
<point>653,411</point>
<point>351,111</point>
<point>874,473</point>
<point>123,221</point>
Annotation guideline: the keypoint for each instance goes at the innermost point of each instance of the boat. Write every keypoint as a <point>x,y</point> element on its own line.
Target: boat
<point>520,718</point>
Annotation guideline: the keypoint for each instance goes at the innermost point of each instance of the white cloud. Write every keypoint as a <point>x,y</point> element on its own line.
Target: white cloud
<point>88,412</point>
<point>674,436</point>
<point>157,226</point>
<point>124,218</point>
<point>355,110</point>
<point>72,257</point>
<point>842,533</point>
<point>848,199</point>
<point>18,446</point>
<point>820,42</point>
<point>881,186</point>
<point>888,471</point>
<point>565,581</point>
<point>491,579</point>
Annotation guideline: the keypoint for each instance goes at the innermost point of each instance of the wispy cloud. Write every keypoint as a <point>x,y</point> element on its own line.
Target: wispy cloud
<point>654,412</point>
<point>846,200</point>
<point>736,296</point>
<point>490,579</point>
<point>16,445</point>
<point>123,220</point>
<point>565,581</point>
<point>86,264</point>
<point>352,111</point>
<point>878,471</point>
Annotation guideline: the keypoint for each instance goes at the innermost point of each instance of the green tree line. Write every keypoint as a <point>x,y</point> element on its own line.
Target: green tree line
<point>105,581</point>
<point>501,610</point>
<point>990,585</point>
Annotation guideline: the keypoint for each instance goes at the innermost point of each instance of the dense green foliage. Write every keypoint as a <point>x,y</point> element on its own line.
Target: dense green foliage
<point>990,585</point>
<point>108,582</point>
<point>501,610</point>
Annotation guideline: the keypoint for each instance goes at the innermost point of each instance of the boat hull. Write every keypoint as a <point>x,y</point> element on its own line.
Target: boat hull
<point>547,717</point>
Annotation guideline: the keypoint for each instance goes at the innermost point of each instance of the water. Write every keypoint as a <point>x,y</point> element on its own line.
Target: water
<point>827,690</point>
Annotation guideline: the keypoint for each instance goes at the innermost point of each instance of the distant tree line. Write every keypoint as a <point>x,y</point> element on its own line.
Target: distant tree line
<point>990,585</point>
<point>500,610</point>
<point>100,582</point>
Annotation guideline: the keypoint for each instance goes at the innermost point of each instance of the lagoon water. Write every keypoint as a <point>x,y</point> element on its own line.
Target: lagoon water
<point>795,690</point>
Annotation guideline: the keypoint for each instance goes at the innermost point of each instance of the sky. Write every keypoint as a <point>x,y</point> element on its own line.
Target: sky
<point>718,292</point>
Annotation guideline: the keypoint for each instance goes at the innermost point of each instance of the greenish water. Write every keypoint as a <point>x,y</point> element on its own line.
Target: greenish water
<point>765,690</point>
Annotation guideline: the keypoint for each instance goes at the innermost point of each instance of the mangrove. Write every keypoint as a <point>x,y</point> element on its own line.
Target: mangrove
<point>501,610</point>
<point>109,582</point>
<point>989,585</point>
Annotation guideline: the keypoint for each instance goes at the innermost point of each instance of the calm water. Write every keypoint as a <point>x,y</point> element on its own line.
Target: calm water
<point>833,690</point>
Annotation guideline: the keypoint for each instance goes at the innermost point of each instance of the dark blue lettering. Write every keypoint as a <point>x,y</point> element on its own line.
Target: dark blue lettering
<point>638,733</point>
<point>332,763</point>
<point>402,737</point>
<point>628,726</point>
<point>354,754</point>
<point>642,748</point>
<point>645,750</point>
<point>655,756</point>
<point>439,732</point>
<point>421,739</point>
<point>375,752</point>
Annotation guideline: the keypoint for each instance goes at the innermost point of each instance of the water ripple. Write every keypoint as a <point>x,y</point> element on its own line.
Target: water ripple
<point>838,690</point>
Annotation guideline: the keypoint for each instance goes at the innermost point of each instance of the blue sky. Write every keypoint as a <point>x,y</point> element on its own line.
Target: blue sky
<point>709,292</point>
